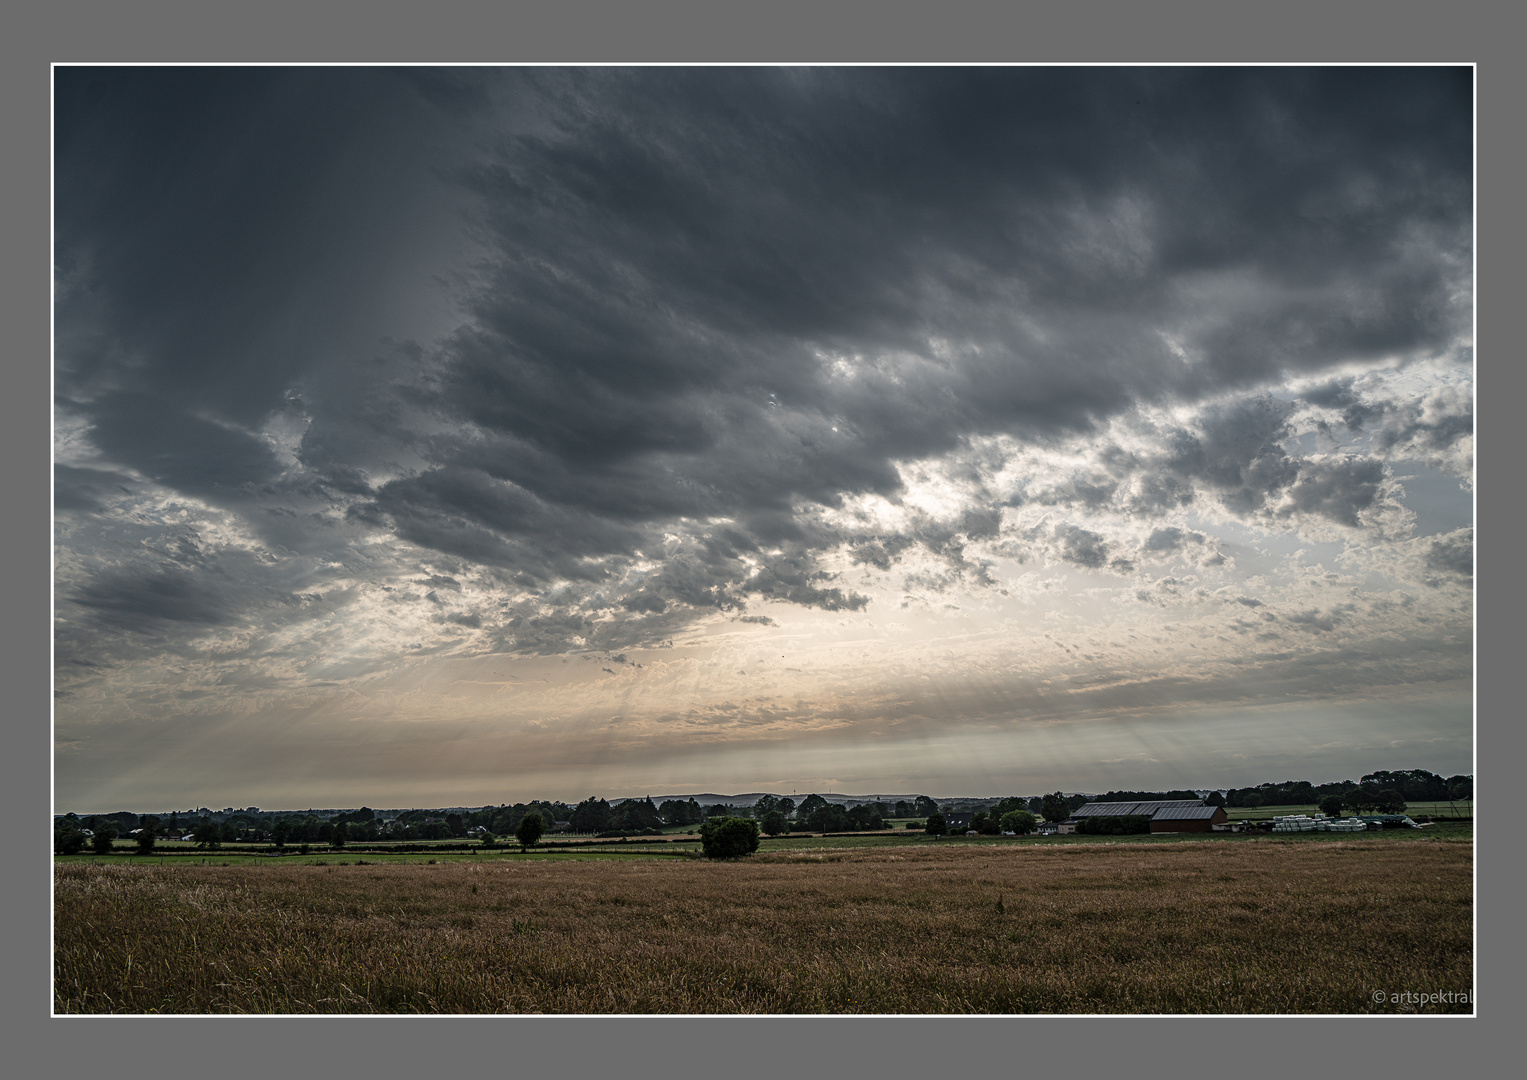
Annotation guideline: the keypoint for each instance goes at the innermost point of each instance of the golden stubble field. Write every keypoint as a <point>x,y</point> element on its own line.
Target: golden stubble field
<point>1267,926</point>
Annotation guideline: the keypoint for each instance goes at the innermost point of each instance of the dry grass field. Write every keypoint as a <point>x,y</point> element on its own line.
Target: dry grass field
<point>1264,926</point>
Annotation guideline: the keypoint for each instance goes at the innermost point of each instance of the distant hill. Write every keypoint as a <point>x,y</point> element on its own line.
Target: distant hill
<point>710,798</point>
<point>704,798</point>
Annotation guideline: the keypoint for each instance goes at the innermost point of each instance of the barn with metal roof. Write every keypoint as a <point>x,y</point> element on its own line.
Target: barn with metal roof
<point>1167,815</point>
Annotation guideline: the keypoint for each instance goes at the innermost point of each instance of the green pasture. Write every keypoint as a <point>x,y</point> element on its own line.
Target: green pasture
<point>601,850</point>
<point>1439,831</point>
<point>1415,810</point>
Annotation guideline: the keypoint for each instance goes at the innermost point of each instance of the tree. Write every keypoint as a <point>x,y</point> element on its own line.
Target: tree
<point>340,834</point>
<point>922,806</point>
<point>764,805</point>
<point>829,817</point>
<point>935,825</point>
<point>674,812</point>
<point>728,838</point>
<point>145,840</point>
<point>1054,807</point>
<point>634,815</point>
<point>867,817</point>
<point>68,840</point>
<point>1018,821</point>
<point>786,806</point>
<point>529,832</point>
<point>1215,798</point>
<point>1332,805</point>
<point>1012,802</point>
<point>1369,796</point>
<point>488,839</point>
<point>592,815</point>
<point>774,823</point>
<point>281,832</point>
<point>101,841</point>
<point>808,804</point>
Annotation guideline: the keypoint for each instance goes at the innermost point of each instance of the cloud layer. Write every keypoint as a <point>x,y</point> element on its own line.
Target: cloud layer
<point>362,369</point>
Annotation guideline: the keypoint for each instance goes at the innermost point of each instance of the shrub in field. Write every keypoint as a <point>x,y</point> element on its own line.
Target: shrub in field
<point>530,830</point>
<point>728,838</point>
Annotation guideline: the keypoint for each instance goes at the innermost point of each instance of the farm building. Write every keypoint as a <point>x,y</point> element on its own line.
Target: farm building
<point>1188,818</point>
<point>1170,815</point>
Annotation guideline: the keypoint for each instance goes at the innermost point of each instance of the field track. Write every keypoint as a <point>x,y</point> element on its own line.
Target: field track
<point>1264,926</point>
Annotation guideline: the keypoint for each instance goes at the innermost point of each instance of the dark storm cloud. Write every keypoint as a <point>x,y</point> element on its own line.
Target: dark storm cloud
<point>1429,428</point>
<point>1170,540</point>
<point>1236,456</point>
<point>1081,546</point>
<point>87,489</point>
<point>183,452</point>
<point>1452,556</point>
<point>169,596</point>
<point>702,299</point>
<point>684,248</point>
<point>1340,395</point>
<point>1336,490</point>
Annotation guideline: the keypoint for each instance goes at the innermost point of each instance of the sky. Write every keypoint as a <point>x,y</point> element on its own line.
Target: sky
<point>455,436</point>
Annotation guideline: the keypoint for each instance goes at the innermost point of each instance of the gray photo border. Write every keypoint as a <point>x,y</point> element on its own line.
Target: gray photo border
<point>663,32</point>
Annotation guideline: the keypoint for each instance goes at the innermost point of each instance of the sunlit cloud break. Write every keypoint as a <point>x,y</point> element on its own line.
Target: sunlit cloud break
<point>453,436</point>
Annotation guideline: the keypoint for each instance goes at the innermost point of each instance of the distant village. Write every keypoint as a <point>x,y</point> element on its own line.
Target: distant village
<point>1376,800</point>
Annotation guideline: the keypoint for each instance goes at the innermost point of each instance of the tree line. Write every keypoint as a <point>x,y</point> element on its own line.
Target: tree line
<point>1382,791</point>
